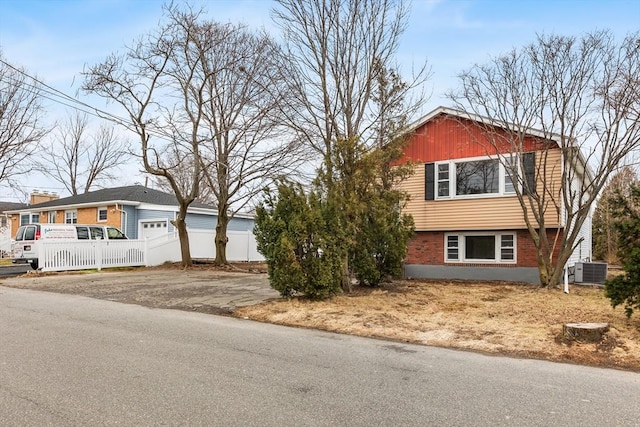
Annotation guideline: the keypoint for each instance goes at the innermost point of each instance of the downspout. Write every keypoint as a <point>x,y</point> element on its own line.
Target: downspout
<point>123,220</point>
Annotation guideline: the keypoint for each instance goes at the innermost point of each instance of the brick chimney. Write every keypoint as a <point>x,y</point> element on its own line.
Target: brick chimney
<point>41,197</point>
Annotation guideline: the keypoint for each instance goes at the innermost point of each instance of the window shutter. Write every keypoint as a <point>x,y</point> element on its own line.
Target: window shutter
<point>429,185</point>
<point>529,166</point>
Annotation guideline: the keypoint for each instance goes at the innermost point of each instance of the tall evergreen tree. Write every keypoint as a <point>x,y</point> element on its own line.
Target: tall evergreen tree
<point>625,289</point>
<point>350,105</point>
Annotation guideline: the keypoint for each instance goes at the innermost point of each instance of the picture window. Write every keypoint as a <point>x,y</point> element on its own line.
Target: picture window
<point>475,178</point>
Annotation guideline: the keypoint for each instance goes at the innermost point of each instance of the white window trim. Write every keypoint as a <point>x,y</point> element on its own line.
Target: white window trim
<point>50,215</point>
<point>24,214</point>
<point>502,173</point>
<point>497,250</point>
<point>438,180</point>
<point>31,216</point>
<point>71,211</point>
<point>106,210</point>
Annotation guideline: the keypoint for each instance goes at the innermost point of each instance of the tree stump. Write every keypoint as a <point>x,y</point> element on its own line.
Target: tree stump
<point>585,332</point>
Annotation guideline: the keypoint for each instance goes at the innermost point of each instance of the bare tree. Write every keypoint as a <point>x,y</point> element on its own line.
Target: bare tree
<point>244,146</point>
<point>21,116</point>
<point>183,177</point>
<point>345,92</point>
<point>209,95</point>
<point>582,96</point>
<point>79,160</point>
<point>160,81</point>
<point>339,48</point>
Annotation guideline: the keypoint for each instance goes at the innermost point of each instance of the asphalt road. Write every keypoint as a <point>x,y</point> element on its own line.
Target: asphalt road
<point>72,361</point>
<point>14,270</point>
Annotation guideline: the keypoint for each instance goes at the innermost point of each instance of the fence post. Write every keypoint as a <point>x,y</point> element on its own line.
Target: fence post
<point>42,255</point>
<point>98,252</point>
<point>145,253</point>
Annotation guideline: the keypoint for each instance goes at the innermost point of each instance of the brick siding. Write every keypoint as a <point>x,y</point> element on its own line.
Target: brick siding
<point>427,248</point>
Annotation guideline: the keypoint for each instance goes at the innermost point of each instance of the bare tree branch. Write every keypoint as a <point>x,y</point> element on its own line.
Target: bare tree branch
<point>21,114</point>
<point>581,96</point>
<point>339,47</point>
<point>159,82</point>
<point>79,161</point>
<point>243,145</point>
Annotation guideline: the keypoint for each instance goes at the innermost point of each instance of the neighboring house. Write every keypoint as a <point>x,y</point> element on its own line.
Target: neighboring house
<point>5,225</point>
<point>468,221</point>
<point>138,211</point>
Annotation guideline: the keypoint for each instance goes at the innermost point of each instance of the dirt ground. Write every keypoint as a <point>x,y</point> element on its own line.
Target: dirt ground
<point>497,318</point>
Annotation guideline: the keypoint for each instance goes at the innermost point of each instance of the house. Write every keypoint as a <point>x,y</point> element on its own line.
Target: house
<point>140,212</point>
<point>5,225</point>
<point>468,220</point>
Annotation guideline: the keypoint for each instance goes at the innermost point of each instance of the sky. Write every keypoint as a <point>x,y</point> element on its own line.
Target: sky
<point>55,39</point>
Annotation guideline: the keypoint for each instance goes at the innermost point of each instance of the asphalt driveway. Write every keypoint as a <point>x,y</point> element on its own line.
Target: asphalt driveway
<point>200,289</point>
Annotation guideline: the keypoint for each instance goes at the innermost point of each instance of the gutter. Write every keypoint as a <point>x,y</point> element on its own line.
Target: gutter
<point>73,206</point>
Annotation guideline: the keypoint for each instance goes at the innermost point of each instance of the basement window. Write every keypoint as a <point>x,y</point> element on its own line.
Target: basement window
<point>480,248</point>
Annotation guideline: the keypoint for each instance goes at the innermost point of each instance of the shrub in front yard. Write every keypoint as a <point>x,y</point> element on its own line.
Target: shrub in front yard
<point>297,236</point>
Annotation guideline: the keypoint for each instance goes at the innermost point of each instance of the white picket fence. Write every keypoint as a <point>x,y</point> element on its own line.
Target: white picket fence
<point>5,241</point>
<point>98,254</point>
<point>90,254</point>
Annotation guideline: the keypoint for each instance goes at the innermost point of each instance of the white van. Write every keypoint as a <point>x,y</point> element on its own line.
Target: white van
<point>25,250</point>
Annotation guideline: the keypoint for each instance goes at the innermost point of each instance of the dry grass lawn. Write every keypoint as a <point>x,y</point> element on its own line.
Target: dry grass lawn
<point>500,318</point>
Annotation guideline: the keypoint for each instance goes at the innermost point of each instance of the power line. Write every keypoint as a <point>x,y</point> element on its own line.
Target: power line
<point>59,97</point>
<point>40,87</point>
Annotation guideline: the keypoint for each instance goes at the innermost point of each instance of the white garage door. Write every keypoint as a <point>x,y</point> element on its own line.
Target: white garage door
<point>151,229</point>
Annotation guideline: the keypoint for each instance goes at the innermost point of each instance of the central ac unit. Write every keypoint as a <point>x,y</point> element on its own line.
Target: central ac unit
<point>590,272</point>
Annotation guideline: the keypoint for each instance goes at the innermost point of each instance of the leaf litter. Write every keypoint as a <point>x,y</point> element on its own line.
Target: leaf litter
<point>492,317</point>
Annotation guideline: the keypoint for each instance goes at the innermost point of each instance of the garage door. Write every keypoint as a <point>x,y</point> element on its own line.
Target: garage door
<point>151,229</point>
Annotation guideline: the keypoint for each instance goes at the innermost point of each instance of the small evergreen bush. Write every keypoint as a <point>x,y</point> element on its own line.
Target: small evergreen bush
<point>302,248</point>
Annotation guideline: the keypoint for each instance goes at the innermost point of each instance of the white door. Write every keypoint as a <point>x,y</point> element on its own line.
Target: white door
<point>151,229</point>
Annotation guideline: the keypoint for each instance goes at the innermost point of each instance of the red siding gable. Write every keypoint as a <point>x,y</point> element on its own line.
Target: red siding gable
<point>446,137</point>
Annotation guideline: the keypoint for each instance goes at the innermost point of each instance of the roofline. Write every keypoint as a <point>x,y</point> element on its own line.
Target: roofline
<point>244,215</point>
<point>75,206</point>
<point>192,209</point>
<point>143,205</point>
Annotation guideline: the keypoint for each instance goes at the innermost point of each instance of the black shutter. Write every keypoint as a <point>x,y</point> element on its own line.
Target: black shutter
<point>529,166</point>
<point>429,178</point>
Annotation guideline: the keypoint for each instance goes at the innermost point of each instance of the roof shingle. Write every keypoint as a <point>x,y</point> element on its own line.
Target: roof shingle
<point>132,193</point>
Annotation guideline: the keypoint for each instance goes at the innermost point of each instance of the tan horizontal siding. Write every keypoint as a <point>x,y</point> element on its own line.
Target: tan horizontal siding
<point>487,213</point>
<point>552,171</point>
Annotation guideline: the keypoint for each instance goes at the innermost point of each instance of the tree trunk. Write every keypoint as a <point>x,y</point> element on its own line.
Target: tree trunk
<point>183,235</point>
<point>543,270</point>
<point>346,277</point>
<point>221,238</point>
<point>585,332</point>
